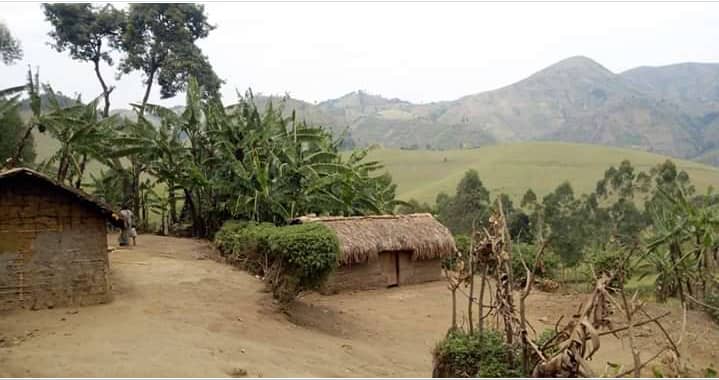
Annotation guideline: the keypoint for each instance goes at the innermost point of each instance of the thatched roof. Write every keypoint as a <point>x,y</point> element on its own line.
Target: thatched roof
<point>364,237</point>
<point>101,207</point>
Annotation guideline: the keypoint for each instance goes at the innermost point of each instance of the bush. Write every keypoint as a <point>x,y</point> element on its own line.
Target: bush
<point>304,255</point>
<point>473,355</point>
<point>547,268</point>
<point>293,258</point>
<point>245,244</point>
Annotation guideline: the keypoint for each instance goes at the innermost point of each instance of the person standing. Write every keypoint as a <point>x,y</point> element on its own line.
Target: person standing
<point>128,229</point>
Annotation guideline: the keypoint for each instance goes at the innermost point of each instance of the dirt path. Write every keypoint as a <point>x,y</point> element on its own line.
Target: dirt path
<point>177,313</point>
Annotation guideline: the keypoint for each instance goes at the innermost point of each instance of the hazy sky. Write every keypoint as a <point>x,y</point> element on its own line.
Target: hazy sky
<point>420,52</point>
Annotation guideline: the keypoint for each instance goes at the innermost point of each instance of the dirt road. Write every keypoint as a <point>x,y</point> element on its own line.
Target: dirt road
<point>176,313</point>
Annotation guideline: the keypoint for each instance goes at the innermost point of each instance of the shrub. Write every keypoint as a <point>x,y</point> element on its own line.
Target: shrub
<point>294,258</point>
<point>245,244</point>
<point>473,355</point>
<point>547,268</point>
<point>303,256</point>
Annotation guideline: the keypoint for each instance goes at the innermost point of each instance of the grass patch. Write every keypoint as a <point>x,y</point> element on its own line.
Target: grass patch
<point>514,168</point>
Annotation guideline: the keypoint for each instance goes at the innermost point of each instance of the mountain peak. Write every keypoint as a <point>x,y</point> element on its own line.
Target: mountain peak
<point>579,63</point>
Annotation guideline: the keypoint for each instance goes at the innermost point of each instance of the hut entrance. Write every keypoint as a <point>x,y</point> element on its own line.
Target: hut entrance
<point>396,266</point>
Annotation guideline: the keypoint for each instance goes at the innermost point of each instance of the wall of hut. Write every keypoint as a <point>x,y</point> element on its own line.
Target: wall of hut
<point>53,249</point>
<point>377,273</point>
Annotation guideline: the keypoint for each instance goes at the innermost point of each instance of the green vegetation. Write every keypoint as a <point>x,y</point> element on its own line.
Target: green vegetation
<point>461,354</point>
<point>10,50</point>
<point>514,168</point>
<point>292,258</point>
<point>304,255</point>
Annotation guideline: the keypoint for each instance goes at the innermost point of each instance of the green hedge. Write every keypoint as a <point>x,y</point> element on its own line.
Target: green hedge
<point>306,253</point>
<point>245,244</point>
<point>292,258</point>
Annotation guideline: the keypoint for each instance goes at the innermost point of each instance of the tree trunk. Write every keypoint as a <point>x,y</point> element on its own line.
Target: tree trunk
<point>150,79</point>
<point>105,90</point>
<point>480,321</point>
<point>193,213</point>
<point>454,308</point>
<point>470,303</point>
<point>18,153</point>
<point>674,253</point>
<point>630,331</point>
<point>173,201</point>
<point>83,163</point>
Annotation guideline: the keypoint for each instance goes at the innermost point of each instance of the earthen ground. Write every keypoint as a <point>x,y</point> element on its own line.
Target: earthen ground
<point>177,313</point>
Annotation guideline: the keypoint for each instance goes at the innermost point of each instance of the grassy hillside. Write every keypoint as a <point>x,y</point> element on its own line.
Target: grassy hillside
<point>513,168</point>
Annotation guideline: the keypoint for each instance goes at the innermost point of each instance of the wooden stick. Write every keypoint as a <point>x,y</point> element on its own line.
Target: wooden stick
<point>666,334</point>
<point>642,365</point>
<point>635,325</point>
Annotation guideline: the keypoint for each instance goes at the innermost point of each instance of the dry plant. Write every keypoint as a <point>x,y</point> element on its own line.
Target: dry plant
<point>580,339</point>
<point>568,352</point>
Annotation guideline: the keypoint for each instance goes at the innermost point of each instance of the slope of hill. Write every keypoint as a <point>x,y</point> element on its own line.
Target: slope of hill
<point>513,168</point>
<point>671,110</point>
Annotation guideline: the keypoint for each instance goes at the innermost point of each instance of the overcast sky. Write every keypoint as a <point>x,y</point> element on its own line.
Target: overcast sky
<point>420,52</point>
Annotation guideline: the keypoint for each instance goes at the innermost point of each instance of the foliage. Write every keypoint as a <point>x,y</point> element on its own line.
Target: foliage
<point>10,49</point>
<point>566,220</point>
<point>294,258</point>
<point>159,40</point>
<point>515,168</point>
<point>238,162</point>
<point>12,129</point>
<point>307,254</point>
<point>81,133</point>
<point>469,206</point>
<point>413,206</point>
<point>548,266</point>
<point>607,260</point>
<point>86,31</point>
<point>462,242</point>
<point>246,244</point>
<point>461,354</point>
<point>683,241</point>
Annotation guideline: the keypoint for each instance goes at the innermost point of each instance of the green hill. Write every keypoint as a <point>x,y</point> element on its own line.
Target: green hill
<point>513,168</point>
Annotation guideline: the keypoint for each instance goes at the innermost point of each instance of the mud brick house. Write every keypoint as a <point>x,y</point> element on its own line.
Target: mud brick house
<point>386,250</point>
<point>53,243</point>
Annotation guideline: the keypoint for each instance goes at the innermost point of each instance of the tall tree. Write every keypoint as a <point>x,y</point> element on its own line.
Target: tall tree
<point>10,49</point>
<point>159,40</point>
<point>87,32</point>
<point>469,206</point>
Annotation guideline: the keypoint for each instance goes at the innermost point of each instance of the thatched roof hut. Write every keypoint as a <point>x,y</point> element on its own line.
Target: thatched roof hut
<point>364,237</point>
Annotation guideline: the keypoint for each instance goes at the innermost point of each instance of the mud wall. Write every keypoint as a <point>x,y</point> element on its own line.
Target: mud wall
<point>371,274</point>
<point>53,249</point>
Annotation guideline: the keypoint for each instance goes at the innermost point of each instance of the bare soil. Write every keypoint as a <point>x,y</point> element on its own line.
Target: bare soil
<point>178,313</point>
